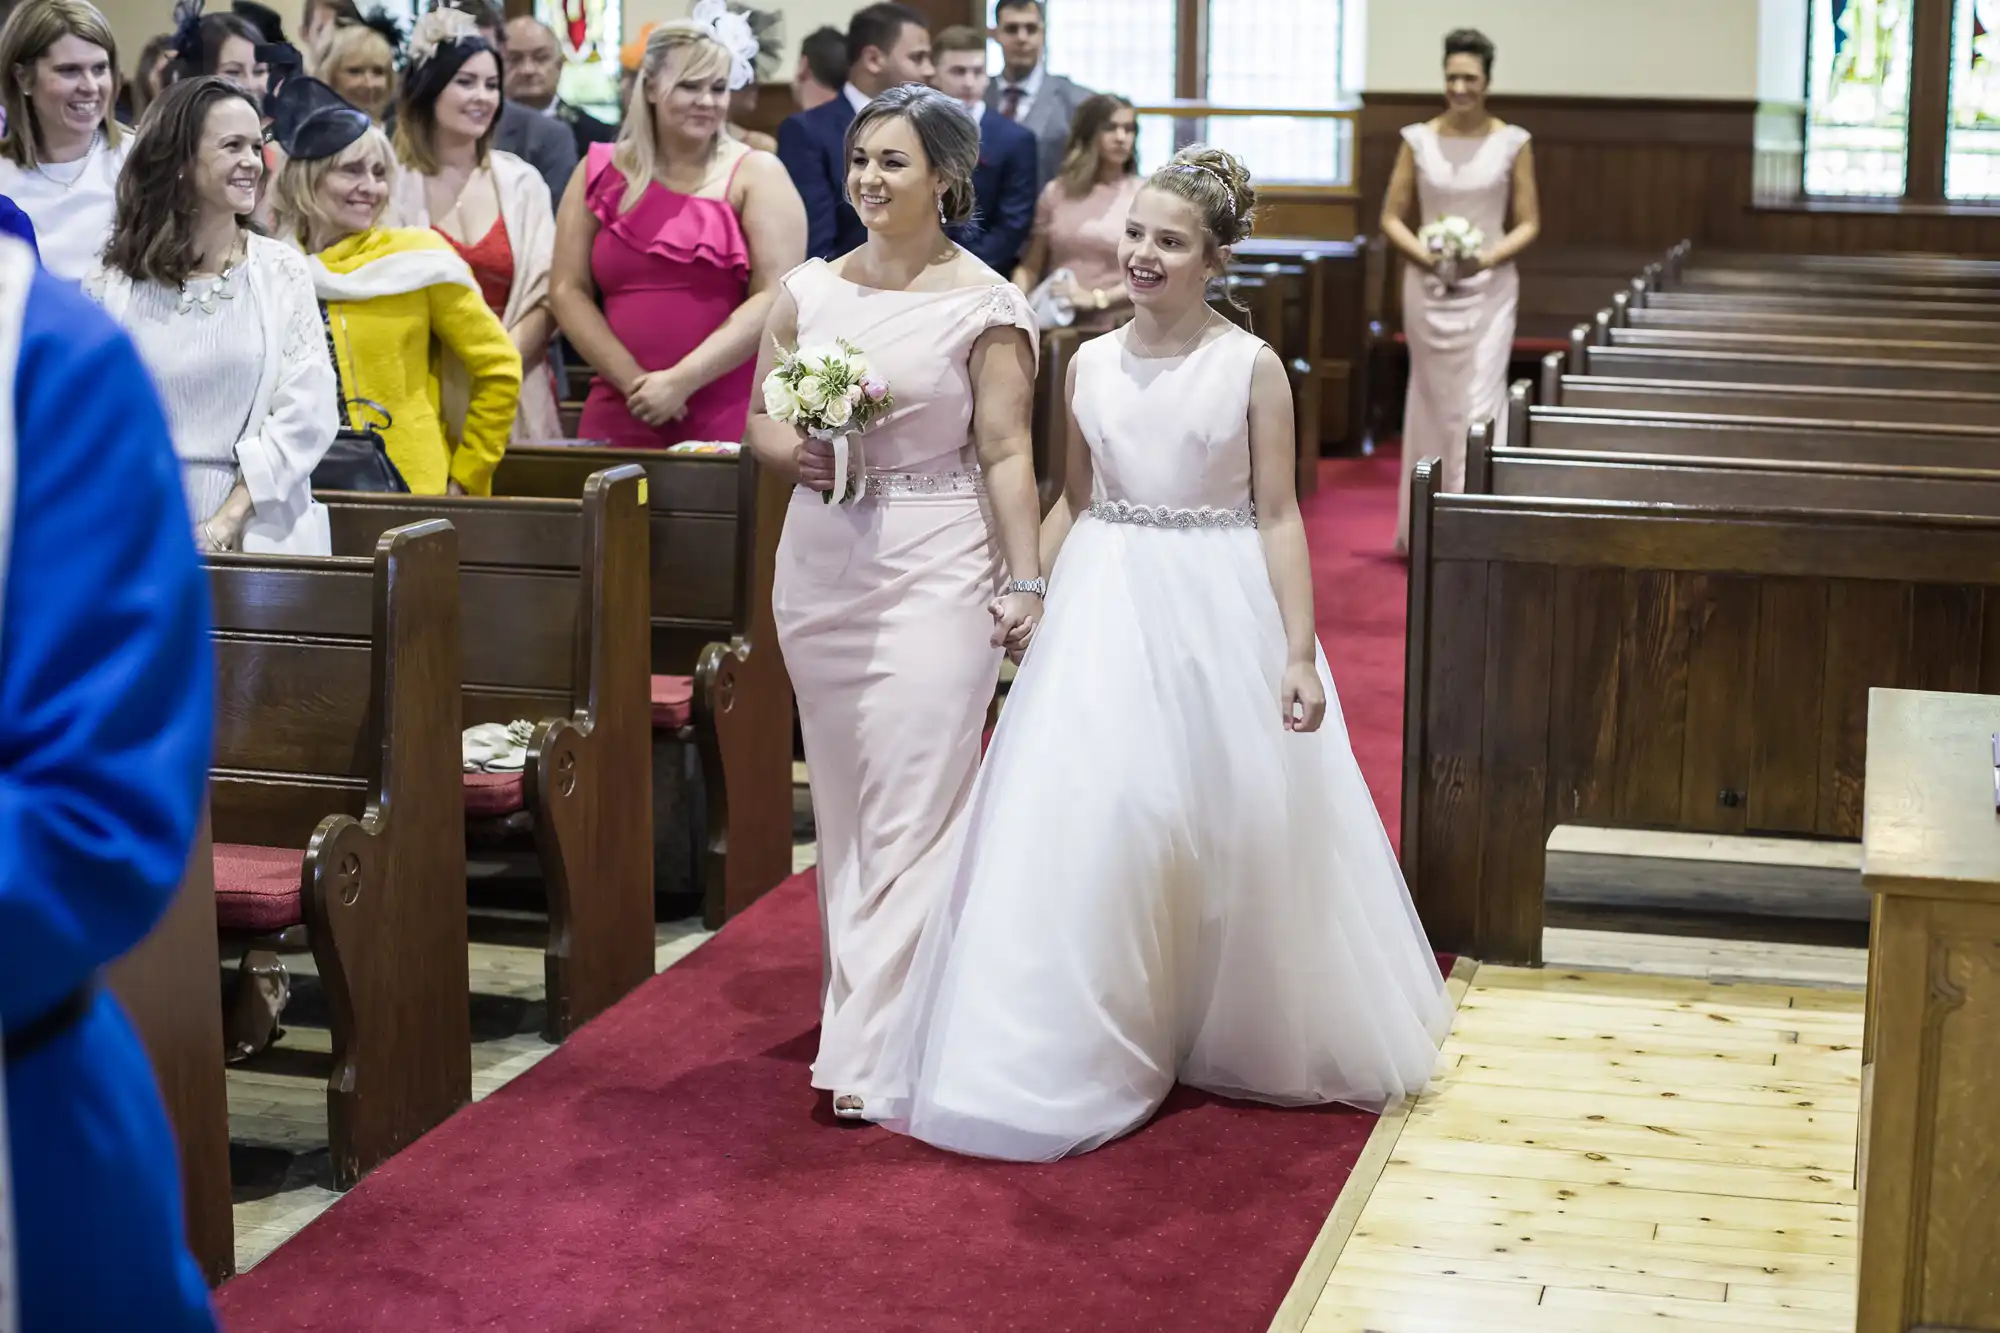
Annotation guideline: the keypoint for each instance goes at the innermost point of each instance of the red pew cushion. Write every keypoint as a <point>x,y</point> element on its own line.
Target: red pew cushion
<point>673,702</point>
<point>257,888</point>
<point>490,795</point>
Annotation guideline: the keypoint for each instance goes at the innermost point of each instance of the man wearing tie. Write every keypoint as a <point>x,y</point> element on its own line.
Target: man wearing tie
<point>1026,93</point>
<point>1004,182</point>
<point>887,45</point>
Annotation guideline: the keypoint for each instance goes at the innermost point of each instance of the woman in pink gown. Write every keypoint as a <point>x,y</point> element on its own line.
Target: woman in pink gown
<point>1459,321</point>
<point>893,611</point>
<point>682,233</point>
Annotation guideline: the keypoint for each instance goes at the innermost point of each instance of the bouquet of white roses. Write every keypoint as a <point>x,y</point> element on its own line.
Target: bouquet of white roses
<point>830,393</point>
<point>1452,240</point>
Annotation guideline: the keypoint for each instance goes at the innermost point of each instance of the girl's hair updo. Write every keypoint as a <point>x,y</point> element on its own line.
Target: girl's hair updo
<point>1217,185</point>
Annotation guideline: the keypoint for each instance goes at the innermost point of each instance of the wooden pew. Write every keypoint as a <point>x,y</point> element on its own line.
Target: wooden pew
<point>336,806</point>
<point>1755,320</point>
<point>714,524</point>
<point>1806,439</point>
<point>1761,367</point>
<point>1866,307</point>
<point>1656,666</point>
<point>1618,393</point>
<point>553,630</point>
<point>1738,481</point>
<point>167,987</point>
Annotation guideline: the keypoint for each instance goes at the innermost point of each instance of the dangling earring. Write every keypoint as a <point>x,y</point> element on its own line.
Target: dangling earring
<point>942,221</point>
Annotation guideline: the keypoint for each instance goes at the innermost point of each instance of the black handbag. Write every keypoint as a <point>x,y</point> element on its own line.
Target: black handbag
<point>358,459</point>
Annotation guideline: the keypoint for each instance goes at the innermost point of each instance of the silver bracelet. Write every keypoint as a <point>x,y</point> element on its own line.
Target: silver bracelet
<point>1035,587</point>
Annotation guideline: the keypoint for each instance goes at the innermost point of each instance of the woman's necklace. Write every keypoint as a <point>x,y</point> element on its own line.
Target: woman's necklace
<point>223,288</point>
<point>82,170</point>
<point>456,200</point>
<point>1199,329</point>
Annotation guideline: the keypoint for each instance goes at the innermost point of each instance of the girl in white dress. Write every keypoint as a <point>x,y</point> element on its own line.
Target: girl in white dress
<point>1172,870</point>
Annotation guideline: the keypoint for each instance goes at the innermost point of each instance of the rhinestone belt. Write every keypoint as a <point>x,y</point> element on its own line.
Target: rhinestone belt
<point>904,485</point>
<point>1162,516</point>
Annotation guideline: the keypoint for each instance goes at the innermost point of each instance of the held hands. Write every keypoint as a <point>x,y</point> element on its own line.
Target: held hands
<point>1303,697</point>
<point>1015,617</point>
<point>815,464</point>
<point>454,487</point>
<point>658,397</point>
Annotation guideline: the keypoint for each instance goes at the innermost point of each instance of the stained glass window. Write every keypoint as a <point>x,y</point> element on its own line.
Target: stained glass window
<point>589,33</point>
<point>1858,97</point>
<point>1972,139</point>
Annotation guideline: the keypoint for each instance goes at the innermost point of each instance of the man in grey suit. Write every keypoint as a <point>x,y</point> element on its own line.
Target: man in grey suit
<point>1026,93</point>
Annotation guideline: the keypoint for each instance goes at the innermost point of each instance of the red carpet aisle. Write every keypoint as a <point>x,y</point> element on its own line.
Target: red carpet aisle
<point>669,1168</point>
<point>1359,594</point>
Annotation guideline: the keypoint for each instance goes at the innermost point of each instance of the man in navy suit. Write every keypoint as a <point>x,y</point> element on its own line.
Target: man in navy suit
<point>1004,184</point>
<point>887,45</point>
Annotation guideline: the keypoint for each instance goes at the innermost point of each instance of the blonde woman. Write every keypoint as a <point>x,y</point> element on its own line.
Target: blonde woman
<point>359,63</point>
<point>62,149</point>
<point>399,304</point>
<point>1081,215</point>
<point>683,234</point>
<point>491,206</point>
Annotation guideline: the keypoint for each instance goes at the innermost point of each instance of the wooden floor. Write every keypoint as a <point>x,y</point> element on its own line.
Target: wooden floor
<point>1603,1151</point>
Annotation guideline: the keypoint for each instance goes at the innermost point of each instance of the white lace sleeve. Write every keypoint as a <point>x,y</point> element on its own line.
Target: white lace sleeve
<point>278,454</point>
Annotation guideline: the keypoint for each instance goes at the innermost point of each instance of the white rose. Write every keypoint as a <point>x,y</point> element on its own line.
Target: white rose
<point>854,395</point>
<point>812,393</point>
<point>816,358</point>
<point>779,400</point>
<point>837,412</point>
<point>1457,227</point>
<point>857,365</point>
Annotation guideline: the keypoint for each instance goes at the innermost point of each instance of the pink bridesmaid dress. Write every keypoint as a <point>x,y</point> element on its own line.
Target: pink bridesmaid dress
<point>882,616</point>
<point>1460,340</point>
<point>668,274</point>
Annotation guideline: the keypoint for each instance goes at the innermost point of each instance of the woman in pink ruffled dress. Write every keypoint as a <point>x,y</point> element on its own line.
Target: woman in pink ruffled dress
<point>682,234</point>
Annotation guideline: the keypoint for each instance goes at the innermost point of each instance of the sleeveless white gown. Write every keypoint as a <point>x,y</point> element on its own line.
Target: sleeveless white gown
<point>1157,881</point>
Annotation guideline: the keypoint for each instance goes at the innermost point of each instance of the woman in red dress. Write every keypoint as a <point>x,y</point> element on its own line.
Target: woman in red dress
<point>682,233</point>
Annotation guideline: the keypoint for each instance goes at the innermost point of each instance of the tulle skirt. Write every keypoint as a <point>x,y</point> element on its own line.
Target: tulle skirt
<point>1158,882</point>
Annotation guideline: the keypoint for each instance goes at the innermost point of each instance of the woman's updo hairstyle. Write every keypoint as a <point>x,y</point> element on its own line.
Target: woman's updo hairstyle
<point>1217,185</point>
<point>943,127</point>
<point>439,47</point>
<point>1470,42</point>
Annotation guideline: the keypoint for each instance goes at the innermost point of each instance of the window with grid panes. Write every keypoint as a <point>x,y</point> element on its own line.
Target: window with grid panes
<point>1261,53</point>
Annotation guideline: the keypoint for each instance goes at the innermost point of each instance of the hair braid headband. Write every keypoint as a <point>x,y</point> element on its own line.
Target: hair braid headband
<point>1207,171</point>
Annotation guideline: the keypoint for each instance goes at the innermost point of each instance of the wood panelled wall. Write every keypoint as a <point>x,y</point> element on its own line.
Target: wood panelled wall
<point>1617,172</point>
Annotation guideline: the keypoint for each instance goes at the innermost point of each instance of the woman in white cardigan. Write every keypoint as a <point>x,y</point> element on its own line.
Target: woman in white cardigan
<point>493,207</point>
<point>225,320</point>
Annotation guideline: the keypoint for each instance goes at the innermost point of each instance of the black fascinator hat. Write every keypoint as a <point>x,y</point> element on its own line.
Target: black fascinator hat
<point>311,121</point>
<point>273,50</point>
<point>385,24</point>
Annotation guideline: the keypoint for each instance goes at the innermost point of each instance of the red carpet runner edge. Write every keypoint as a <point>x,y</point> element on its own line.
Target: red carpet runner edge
<point>669,1168</point>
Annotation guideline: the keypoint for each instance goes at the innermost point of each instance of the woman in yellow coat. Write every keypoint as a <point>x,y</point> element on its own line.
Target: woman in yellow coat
<point>412,337</point>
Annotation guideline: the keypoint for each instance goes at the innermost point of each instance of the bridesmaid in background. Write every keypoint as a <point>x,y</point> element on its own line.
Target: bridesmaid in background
<point>891,611</point>
<point>1459,319</point>
<point>1080,217</point>
<point>684,233</point>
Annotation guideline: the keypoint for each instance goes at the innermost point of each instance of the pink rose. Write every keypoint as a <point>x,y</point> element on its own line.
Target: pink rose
<point>875,387</point>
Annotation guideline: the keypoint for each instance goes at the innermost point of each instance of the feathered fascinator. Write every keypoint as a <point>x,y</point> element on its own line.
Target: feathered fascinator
<point>440,27</point>
<point>733,33</point>
<point>186,40</point>
<point>384,23</point>
<point>769,28</point>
